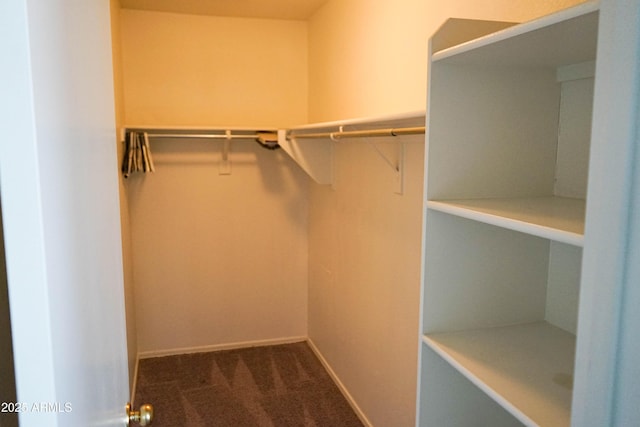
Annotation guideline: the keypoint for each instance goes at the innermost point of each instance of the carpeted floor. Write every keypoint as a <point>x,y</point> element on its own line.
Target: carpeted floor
<point>273,386</point>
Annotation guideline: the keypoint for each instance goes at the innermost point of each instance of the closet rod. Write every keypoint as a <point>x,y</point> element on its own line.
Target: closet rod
<point>361,133</point>
<point>209,136</point>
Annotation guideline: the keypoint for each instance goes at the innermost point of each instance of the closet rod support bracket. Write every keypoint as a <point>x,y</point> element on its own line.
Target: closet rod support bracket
<point>396,165</point>
<point>399,172</point>
<point>225,163</point>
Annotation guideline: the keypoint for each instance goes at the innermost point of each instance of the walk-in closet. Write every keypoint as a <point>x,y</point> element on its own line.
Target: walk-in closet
<point>329,213</point>
<point>274,204</point>
<point>266,221</point>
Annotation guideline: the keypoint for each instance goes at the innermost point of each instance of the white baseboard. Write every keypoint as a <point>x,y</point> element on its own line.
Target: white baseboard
<point>341,386</point>
<point>217,347</point>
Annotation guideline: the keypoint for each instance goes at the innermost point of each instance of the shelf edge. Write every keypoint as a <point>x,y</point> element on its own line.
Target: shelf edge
<point>554,234</point>
<point>494,395</point>
<point>517,30</point>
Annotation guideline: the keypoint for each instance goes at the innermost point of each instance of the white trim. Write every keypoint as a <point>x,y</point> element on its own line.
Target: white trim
<point>217,347</point>
<point>134,385</point>
<point>341,386</point>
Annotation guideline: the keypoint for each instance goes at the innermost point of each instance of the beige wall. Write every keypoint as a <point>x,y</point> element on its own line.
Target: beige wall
<point>364,264</point>
<point>213,71</point>
<point>369,58</point>
<point>218,259</point>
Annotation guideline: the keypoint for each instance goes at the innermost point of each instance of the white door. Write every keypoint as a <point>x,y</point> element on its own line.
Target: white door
<point>58,184</point>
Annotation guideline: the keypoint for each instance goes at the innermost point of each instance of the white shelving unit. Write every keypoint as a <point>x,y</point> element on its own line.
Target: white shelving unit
<point>508,138</point>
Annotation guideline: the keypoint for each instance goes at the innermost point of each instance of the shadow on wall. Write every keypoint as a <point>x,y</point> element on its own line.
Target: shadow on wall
<point>279,171</point>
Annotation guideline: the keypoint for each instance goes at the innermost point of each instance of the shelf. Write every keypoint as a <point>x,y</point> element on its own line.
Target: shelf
<point>527,368</point>
<point>315,155</point>
<point>565,37</point>
<point>409,118</point>
<point>557,218</point>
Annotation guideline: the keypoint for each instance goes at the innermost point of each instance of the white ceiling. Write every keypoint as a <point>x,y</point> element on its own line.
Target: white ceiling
<point>273,9</point>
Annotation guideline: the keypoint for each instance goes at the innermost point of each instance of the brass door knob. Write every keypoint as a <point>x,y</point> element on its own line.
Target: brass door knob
<point>143,417</point>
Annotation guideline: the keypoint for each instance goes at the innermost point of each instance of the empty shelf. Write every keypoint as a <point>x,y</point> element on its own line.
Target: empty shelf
<point>565,37</point>
<point>527,368</point>
<point>556,218</point>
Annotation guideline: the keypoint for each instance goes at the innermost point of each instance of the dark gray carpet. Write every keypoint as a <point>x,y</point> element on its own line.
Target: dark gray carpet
<point>273,386</point>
